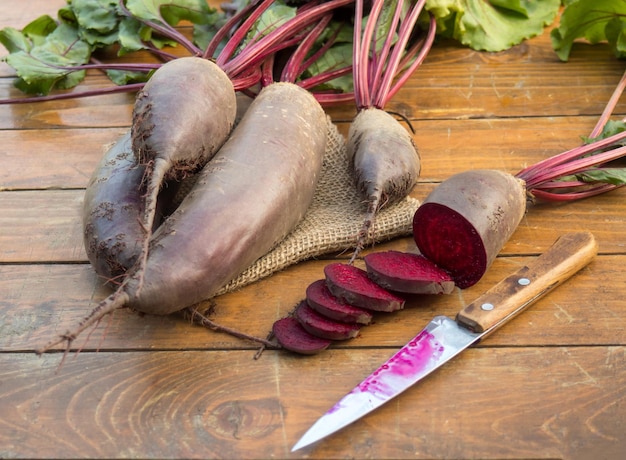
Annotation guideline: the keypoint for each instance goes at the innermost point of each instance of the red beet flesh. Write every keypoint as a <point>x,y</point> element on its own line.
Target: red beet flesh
<point>409,273</point>
<point>293,337</point>
<point>449,240</point>
<point>465,221</point>
<point>352,285</point>
<point>325,303</point>
<point>323,327</point>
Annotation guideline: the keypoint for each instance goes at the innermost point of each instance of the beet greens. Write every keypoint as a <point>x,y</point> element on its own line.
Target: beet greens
<point>239,44</point>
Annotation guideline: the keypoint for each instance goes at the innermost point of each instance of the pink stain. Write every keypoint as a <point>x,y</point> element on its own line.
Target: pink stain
<point>408,361</point>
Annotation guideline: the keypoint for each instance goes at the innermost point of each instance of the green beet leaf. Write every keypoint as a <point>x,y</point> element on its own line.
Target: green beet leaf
<point>276,15</point>
<point>610,128</point>
<point>337,57</point>
<point>97,20</point>
<point>594,21</point>
<point>616,35</point>
<point>494,25</point>
<point>33,34</point>
<point>614,176</point>
<point>171,13</point>
<point>42,65</point>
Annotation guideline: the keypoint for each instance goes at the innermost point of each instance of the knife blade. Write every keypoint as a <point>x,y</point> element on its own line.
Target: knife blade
<point>444,338</point>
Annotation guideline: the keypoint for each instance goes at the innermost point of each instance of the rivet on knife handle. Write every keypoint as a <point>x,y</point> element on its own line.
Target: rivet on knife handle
<point>512,295</point>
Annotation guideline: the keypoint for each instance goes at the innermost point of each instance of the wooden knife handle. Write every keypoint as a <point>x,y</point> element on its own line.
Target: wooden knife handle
<point>511,296</point>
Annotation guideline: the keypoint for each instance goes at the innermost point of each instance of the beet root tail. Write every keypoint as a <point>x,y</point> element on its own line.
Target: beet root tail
<point>366,227</point>
<point>156,174</point>
<point>114,302</point>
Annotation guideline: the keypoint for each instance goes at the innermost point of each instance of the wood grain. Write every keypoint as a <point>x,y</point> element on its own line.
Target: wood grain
<point>46,226</point>
<point>216,404</point>
<point>28,156</point>
<point>41,301</point>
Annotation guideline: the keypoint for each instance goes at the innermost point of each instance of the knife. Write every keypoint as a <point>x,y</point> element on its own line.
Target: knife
<point>444,338</point>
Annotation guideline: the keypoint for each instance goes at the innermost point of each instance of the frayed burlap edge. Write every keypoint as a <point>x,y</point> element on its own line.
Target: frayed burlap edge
<point>333,220</point>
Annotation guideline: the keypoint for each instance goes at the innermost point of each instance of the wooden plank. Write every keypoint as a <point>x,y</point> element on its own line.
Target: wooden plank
<point>41,301</point>
<point>51,159</point>
<point>45,225</point>
<point>542,402</point>
<point>477,85</point>
<point>448,147</point>
<point>100,111</point>
<point>41,226</point>
<point>27,157</point>
<point>470,91</point>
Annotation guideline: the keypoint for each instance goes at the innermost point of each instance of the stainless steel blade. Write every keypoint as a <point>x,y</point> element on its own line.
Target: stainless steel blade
<point>441,340</point>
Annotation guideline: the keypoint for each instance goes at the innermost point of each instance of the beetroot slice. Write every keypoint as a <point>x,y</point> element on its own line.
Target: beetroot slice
<point>406,272</point>
<point>325,303</point>
<point>293,337</point>
<point>352,285</point>
<point>323,327</point>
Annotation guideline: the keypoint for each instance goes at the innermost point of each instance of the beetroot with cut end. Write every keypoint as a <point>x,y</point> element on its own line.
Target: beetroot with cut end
<point>352,285</point>
<point>406,272</point>
<point>465,221</point>
<point>320,299</point>
<point>293,337</point>
<point>324,327</point>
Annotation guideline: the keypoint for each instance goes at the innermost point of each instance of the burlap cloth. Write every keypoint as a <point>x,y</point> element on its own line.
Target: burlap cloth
<point>333,221</point>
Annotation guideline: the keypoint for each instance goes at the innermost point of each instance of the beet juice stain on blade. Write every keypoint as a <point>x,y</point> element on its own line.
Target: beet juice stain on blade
<point>440,341</point>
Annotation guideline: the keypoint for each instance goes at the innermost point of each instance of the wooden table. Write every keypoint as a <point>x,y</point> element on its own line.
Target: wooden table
<point>550,384</point>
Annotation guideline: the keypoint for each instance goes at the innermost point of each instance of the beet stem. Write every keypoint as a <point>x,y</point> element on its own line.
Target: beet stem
<point>608,110</point>
<point>531,172</point>
<point>293,67</point>
<point>419,59</point>
<point>574,166</point>
<point>406,28</point>
<point>131,87</point>
<point>230,25</point>
<point>256,52</point>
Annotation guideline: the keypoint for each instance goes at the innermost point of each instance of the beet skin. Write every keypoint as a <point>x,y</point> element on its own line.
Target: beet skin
<point>465,221</point>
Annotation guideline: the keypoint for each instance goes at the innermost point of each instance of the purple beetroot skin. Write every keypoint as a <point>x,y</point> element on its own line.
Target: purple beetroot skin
<point>465,221</point>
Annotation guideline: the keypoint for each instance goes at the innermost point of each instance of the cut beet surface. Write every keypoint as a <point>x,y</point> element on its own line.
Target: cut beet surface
<point>465,221</point>
<point>352,285</point>
<point>323,327</point>
<point>408,273</point>
<point>321,300</point>
<point>449,240</point>
<point>293,337</point>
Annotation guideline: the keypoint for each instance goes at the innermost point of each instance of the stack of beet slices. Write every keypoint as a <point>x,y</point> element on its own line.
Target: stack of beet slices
<point>337,306</point>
